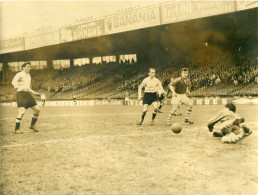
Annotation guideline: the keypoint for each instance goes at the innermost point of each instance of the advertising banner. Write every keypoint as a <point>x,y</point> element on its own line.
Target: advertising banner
<point>12,45</point>
<point>82,31</point>
<point>246,4</point>
<point>176,11</point>
<point>41,40</point>
<point>187,10</point>
<point>132,20</point>
<point>212,8</point>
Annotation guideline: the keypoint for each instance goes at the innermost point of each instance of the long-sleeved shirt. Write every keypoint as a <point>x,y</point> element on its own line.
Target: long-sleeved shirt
<point>180,85</point>
<point>151,85</point>
<point>222,116</point>
<point>21,81</point>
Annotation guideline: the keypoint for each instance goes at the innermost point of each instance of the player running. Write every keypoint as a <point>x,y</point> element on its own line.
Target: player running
<point>179,88</point>
<point>21,82</point>
<point>152,85</point>
<point>228,125</point>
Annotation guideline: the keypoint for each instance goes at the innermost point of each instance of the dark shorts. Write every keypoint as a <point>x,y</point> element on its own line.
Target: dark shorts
<point>149,98</point>
<point>24,99</point>
<point>162,97</point>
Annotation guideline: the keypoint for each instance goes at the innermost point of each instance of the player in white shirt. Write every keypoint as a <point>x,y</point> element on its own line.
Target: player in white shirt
<point>21,82</point>
<point>152,86</point>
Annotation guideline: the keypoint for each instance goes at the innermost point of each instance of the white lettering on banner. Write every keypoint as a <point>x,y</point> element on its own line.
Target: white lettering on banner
<point>41,40</point>
<point>224,101</point>
<point>130,19</point>
<point>12,45</point>
<point>5,104</point>
<point>70,103</point>
<point>82,31</point>
<point>120,102</point>
<point>206,101</point>
<point>208,4</point>
<point>86,32</point>
<point>181,11</point>
<point>246,4</point>
<point>176,11</point>
<point>216,11</point>
<point>210,8</point>
<point>14,104</point>
<point>133,20</point>
<point>198,101</point>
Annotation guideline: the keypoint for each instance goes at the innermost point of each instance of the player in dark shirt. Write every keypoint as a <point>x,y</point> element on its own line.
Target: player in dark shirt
<point>179,88</point>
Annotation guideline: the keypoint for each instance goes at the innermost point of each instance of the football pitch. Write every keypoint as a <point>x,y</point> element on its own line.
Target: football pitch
<point>101,150</point>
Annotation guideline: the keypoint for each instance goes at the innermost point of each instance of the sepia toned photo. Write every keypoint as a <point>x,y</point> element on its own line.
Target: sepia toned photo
<point>129,97</point>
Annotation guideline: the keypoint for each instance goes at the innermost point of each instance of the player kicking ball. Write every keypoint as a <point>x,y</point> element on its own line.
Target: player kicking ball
<point>179,89</point>
<point>228,125</point>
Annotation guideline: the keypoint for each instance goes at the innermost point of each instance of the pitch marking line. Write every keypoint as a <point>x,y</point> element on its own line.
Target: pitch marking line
<point>103,136</point>
<point>75,115</point>
<point>90,137</point>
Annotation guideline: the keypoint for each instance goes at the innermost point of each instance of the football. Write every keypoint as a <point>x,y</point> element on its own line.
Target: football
<point>176,127</point>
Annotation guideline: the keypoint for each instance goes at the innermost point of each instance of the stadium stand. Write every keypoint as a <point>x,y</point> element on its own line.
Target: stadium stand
<point>221,77</point>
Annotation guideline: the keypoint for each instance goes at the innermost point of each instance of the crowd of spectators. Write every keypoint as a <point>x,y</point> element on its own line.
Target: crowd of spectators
<point>83,80</point>
<point>220,70</point>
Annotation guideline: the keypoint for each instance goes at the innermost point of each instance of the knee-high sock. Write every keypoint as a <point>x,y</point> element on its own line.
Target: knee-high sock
<point>188,113</point>
<point>143,115</point>
<point>17,124</point>
<point>173,111</point>
<point>34,120</point>
<point>154,114</point>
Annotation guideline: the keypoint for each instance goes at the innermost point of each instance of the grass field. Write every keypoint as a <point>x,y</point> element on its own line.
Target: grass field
<point>100,150</point>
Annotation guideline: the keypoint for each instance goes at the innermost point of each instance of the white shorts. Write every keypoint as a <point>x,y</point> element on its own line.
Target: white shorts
<point>181,99</point>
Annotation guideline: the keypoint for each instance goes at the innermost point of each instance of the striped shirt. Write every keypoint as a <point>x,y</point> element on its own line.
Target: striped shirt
<point>151,85</point>
<point>21,81</point>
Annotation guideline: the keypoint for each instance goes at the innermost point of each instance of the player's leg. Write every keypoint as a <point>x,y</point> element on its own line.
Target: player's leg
<point>189,106</point>
<point>178,111</point>
<point>34,118</point>
<point>160,104</point>
<point>21,111</point>
<point>175,101</point>
<point>155,111</point>
<point>144,111</point>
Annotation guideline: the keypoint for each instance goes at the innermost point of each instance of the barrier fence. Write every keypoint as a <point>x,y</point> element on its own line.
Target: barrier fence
<point>135,102</point>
